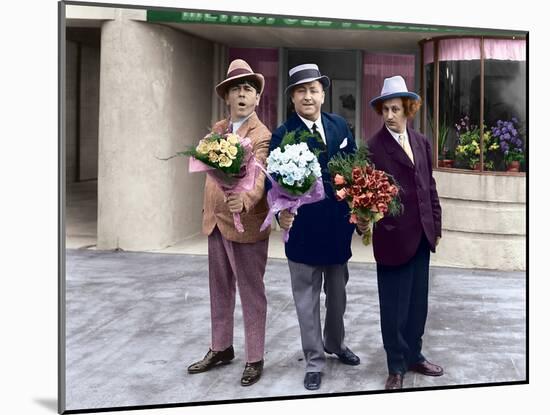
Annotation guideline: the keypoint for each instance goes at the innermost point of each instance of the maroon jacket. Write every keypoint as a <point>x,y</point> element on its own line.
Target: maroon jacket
<point>396,239</point>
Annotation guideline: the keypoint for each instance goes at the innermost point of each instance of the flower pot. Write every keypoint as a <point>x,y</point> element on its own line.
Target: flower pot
<point>477,166</point>
<point>445,163</point>
<point>512,166</point>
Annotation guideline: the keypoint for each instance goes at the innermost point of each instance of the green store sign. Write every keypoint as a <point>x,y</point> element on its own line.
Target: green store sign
<point>270,21</point>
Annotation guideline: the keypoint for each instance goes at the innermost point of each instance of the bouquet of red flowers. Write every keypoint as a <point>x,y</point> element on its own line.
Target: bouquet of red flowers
<point>371,194</point>
<point>229,160</point>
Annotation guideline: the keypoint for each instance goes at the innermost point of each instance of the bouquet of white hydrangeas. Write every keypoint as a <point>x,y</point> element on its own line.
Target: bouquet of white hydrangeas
<point>295,175</point>
<point>295,167</point>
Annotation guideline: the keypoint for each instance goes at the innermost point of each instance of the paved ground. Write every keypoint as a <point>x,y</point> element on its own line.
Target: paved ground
<point>136,320</point>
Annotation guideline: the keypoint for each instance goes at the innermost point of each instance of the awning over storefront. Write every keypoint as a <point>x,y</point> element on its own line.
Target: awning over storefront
<point>298,22</point>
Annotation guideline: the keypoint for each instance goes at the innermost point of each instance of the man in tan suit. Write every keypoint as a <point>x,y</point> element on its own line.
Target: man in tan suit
<point>235,257</point>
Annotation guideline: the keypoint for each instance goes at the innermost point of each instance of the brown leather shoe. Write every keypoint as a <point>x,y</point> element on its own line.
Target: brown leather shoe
<point>252,373</point>
<point>394,381</point>
<point>212,359</point>
<point>426,368</point>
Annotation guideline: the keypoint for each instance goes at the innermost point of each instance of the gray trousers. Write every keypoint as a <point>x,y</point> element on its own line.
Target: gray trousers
<point>306,289</point>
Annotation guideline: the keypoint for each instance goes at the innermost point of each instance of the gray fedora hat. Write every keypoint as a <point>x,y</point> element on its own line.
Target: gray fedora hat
<point>307,72</point>
<point>394,87</point>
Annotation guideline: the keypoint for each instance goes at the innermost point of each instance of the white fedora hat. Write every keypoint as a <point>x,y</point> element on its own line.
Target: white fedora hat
<point>394,87</point>
<point>307,72</point>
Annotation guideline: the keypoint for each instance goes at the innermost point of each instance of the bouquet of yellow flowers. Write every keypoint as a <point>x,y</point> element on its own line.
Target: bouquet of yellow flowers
<point>224,152</point>
<point>228,159</point>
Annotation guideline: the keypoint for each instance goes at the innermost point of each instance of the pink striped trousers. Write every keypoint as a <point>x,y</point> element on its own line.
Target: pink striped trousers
<point>243,264</point>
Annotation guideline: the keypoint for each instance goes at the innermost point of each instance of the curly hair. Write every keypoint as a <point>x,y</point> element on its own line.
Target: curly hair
<point>410,106</point>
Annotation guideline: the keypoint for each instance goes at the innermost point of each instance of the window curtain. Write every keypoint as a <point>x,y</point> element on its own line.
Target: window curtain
<point>376,67</point>
<point>465,49</point>
<point>505,49</point>
<point>266,62</point>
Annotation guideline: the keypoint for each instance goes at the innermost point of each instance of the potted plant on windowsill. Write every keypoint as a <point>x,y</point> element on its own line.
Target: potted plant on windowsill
<point>444,153</point>
<point>467,147</point>
<point>513,160</point>
<point>468,150</point>
<point>508,134</point>
<point>446,159</point>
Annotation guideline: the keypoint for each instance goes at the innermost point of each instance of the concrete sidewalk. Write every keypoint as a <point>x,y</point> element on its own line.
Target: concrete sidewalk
<point>135,321</point>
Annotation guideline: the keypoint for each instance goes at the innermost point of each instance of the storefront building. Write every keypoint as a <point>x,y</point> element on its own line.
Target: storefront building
<point>140,86</point>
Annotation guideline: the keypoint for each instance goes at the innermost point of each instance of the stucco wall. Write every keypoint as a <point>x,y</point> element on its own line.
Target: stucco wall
<point>155,100</point>
<point>484,221</point>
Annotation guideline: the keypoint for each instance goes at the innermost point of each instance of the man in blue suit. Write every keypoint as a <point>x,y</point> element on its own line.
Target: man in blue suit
<point>319,243</point>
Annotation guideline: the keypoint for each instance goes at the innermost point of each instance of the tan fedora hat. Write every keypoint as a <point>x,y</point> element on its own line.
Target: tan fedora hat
<point>239,69</point>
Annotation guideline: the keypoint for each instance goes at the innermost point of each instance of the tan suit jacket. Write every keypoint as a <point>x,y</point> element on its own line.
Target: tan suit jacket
<point>215,210</point>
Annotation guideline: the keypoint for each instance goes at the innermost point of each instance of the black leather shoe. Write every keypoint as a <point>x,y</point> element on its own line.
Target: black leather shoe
<point>212,359</point>
<point>347,357</point>
<point>394,381</point>
<point>312,381</point>
<point>252,373</point>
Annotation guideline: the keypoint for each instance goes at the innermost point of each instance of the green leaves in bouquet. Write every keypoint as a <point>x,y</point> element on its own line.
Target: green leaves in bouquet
<point>303,137</point>
<point>343,163</point>
<point>306,186</point>
<point>395,207</point>
<point>288,138</point>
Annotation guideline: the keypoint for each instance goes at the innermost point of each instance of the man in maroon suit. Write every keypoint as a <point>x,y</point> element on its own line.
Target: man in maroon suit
<point>402,244</point>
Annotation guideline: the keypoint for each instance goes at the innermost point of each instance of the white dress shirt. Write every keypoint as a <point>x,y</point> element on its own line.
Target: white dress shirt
<point>318,123</point>
<point>237,124</point>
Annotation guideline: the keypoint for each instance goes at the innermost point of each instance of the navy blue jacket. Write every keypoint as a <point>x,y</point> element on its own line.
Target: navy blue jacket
<point>395,239</point>
<point>321,232</point>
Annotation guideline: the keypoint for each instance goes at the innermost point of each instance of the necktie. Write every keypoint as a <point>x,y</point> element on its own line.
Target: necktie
<point>406,147</point>
<point>316,131</point>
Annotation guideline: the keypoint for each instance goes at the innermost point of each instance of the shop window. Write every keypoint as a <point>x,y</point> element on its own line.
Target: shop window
<point>504,113</point>
<point>456,66</point>
<point>458,135</point>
